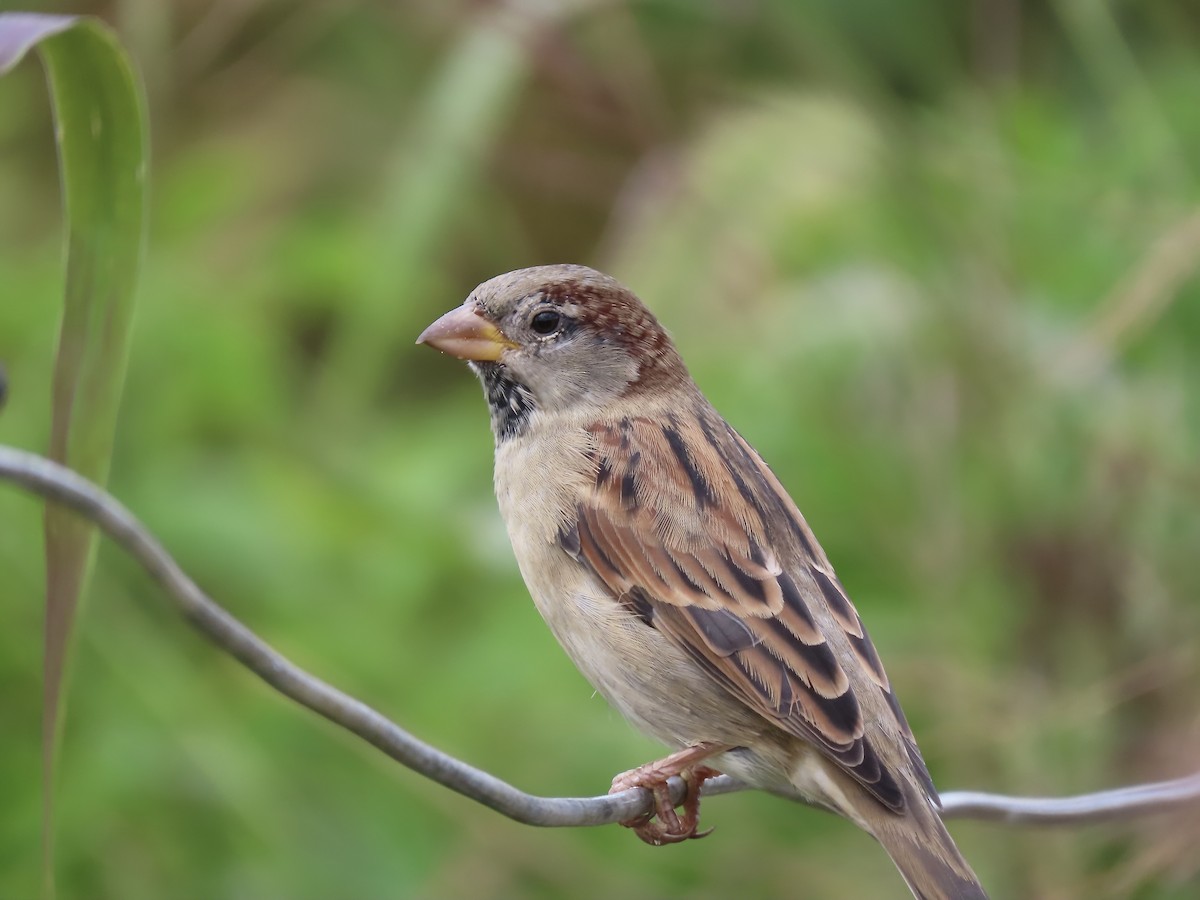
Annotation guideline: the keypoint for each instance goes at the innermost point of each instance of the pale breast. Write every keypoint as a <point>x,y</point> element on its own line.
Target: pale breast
<point>648,679</point>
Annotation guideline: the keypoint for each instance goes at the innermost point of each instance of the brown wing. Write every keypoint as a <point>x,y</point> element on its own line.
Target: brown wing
<point>709,549</point>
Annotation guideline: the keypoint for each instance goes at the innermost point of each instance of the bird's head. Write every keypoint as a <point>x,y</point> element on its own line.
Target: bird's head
<point>558,338</point>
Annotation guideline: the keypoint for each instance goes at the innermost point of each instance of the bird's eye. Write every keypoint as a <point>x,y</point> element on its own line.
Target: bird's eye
<point>545,321</point>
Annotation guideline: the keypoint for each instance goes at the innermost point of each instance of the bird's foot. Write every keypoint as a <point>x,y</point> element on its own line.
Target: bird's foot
<point>670,827</point>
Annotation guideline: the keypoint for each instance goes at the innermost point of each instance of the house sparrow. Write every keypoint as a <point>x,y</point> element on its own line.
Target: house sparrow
<point>678,574</point>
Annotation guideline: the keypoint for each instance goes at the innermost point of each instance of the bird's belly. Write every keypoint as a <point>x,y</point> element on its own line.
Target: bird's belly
<point>646,677</point>
<point>649,679</point>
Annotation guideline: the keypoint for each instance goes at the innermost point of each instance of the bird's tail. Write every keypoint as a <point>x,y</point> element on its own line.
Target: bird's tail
<point>925,854</point>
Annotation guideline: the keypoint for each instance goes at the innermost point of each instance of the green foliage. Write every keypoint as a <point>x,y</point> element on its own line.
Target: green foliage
<point>939,269</point>
<point>99,124</point>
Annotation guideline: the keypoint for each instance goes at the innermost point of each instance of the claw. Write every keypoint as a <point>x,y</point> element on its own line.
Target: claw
<point>670,828</point>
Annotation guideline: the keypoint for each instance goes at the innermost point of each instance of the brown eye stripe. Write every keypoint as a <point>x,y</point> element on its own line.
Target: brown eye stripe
<point>611,310</point>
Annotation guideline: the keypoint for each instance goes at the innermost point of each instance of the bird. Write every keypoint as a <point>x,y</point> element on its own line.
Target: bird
<point>678,574</point>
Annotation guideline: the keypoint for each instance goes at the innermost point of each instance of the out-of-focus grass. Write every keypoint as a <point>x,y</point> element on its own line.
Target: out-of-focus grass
<point>100,137</point>
<point>916,260</point>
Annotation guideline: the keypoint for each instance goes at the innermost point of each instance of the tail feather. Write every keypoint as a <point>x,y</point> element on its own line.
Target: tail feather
<point>915,838</point>
<point>926,855</point>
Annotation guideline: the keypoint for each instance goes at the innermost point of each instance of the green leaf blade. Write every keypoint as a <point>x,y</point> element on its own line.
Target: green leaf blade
<point>101,132</point>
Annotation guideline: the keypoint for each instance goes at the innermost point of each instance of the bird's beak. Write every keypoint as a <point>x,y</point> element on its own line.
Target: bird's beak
<point>465,333</point>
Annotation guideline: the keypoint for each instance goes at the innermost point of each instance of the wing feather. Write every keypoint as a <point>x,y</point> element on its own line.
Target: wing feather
<point>707,548</point>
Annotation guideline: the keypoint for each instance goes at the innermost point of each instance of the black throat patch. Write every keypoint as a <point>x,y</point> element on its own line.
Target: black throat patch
<point>510,403</point>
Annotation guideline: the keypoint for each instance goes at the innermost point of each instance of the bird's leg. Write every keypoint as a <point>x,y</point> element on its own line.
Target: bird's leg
<point>670,828</point>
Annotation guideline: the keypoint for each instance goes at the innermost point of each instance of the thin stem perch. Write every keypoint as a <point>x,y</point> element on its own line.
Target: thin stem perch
<point>59,484</point>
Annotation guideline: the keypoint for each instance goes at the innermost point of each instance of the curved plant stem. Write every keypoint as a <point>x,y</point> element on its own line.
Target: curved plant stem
<point>60,485</point>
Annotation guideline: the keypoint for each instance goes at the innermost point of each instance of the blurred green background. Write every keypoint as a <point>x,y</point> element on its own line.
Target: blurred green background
<point>937,261</point>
